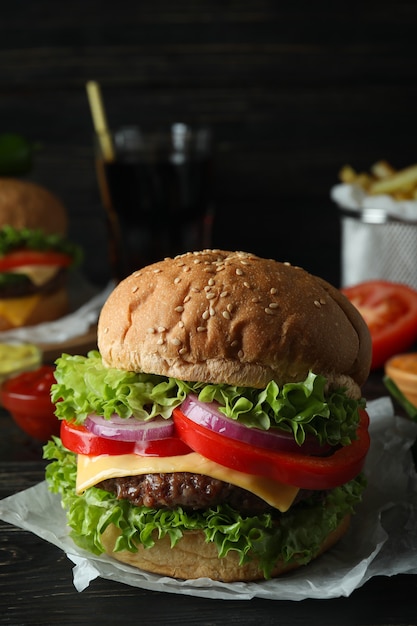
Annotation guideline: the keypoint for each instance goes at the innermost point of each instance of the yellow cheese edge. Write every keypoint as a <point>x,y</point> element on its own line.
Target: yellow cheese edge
<point>92,470</point>
<point>17,310</point>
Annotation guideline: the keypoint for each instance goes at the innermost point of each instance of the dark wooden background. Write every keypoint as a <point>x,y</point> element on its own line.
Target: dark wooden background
<point>292,90</point>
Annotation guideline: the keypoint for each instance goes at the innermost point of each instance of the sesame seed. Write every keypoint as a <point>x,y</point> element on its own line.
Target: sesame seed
<point>234,343</point>
<point>224,294</point>
<point>179,308</point>
<point>157,271</point>
<point>106,330</point>
<point>206,315</point>
<point>182,350</point>
<point>201,329</point>
<point>317,304</point>
<point>273,305</point>
<point>230,307</point>
<point>212,311</point>
<point>211,282</point>
<point>246,284</point>
<point>177,280</point>
<point>176,341</point>
<point>134,289</point>
<point>240,354</point>
<point>239,271</point>
<point>150,331</point>
<point>273,290</point>
<point>210,295</point>
<point>181,324</point>
<point>226,315</point>
<point>187,268</point>
<point>160,341</point>
<point>187,299</point>
<point>161,329</point>
<point>268,311</point>
<point>322,301</point>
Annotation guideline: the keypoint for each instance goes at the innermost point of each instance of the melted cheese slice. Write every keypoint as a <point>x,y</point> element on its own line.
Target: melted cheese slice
<point>17,310</point>
<point>92,470</point>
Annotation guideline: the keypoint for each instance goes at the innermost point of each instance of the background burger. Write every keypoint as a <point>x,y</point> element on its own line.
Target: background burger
<point>220,430</point>
<point>34,255</point>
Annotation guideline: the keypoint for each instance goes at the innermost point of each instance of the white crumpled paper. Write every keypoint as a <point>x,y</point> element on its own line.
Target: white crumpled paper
<point>382,539</point>
<point>86,304</point>
<point>354,198</point>
<point>378,236</point>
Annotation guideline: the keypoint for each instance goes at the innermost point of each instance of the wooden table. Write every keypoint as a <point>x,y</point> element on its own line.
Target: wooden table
<point>36,577</point>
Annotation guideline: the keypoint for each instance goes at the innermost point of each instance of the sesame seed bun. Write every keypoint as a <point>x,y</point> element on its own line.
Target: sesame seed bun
<point>24,204</point>
<point>231,317</point>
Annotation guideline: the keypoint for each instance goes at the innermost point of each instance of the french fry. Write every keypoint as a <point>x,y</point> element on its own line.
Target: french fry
<point>347,174</point>
<point>382,169</point>
<point>364,180</point>
<point>384,179</point>
<point>403,179</point>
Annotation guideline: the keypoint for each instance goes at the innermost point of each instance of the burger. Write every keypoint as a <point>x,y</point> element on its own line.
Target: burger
<point>219,429</point>
<point>35,255</point>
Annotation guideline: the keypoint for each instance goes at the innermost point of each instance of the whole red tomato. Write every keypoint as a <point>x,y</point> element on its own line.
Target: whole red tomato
<point>390,311</point>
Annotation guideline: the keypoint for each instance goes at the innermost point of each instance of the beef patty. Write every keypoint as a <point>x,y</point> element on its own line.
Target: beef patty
<point>16,285</point>
<point>190,491</point>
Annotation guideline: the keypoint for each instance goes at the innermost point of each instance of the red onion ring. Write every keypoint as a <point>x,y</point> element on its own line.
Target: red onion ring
<point>130,429</point>
<point>206,414</point>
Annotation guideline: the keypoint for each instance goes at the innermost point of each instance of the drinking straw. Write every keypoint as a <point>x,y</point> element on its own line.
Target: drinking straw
<point>99,119</point>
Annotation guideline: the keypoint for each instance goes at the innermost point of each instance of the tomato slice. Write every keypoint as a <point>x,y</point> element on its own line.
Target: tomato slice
<point>390,311</point>
<point>307,472</point>
<point>18,258</point>
<point>78,439</point>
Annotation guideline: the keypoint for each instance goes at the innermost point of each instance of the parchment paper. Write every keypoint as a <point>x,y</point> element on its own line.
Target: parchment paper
<point>382,539</point>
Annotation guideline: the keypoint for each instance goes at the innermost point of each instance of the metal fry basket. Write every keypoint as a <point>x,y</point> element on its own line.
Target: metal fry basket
<point>386,251</point>
<point>377,245</point>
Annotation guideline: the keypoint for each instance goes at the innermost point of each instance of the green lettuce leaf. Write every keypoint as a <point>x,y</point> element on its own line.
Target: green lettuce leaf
<point>296,537</point>
<point>35,239</point>
<point>85,386</point>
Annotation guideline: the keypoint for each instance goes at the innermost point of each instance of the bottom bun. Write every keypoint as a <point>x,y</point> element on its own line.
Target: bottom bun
<point>193,557</point>
<point>49,307</point>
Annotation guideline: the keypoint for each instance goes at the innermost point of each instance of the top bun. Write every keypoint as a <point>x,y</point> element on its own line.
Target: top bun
<point>232,317</point>
<point>25,204</point>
